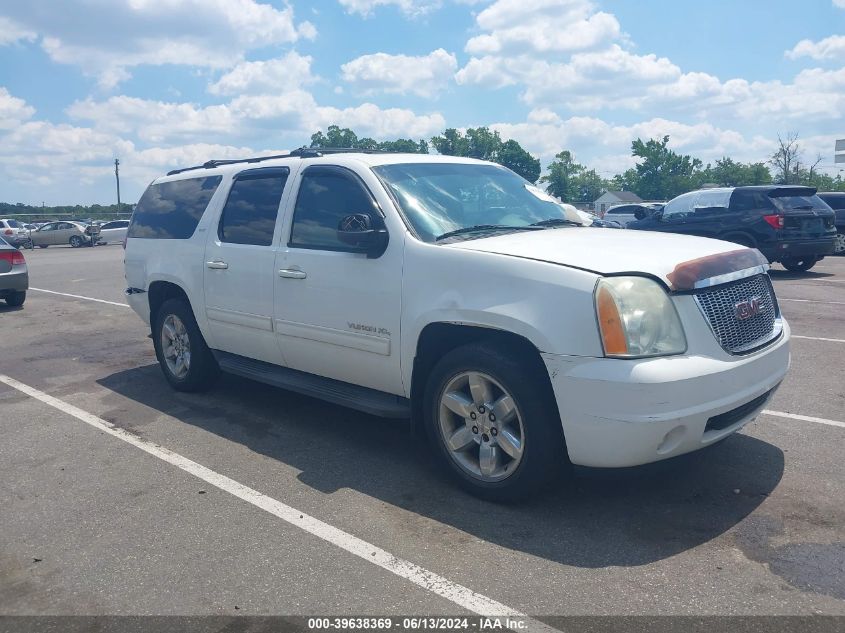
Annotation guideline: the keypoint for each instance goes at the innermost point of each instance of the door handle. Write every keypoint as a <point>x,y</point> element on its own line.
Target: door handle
<point>217,265</point>
<point>292,273</point>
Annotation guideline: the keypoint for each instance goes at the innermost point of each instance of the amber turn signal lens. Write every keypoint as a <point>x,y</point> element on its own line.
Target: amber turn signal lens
<point>610,324</point>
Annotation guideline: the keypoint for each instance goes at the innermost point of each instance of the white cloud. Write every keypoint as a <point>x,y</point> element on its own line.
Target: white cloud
<point>424,75</point>
<point>408,7</point>
<point>11,32</point>
<point>839,3</point>
<point>832,47</point>
<point>411,8</point>
<point>607,147</point>
<point>542,26</point>
<point>105,38</point>
<point>262,77</point>
<point>13,111</point>
<point>252,119</point>
<point>588,80</point>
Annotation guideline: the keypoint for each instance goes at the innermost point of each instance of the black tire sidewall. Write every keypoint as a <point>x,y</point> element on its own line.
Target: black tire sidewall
<point>16,300</point>
<point>203,368</point>
<point>544,455</point>
<point>797,264</point>
<point>75,241</point>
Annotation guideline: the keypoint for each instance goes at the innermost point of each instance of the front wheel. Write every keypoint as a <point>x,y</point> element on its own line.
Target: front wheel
<point>839,245</point>
<point>75,241</point>
<point>16,299</point>
<point>494,422</point>
<point>185,360</point>
<point>799,264</point>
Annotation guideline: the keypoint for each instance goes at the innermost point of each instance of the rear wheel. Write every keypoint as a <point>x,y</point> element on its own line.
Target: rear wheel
<point>186,361</point>
<point>839,247</point>
<point>494,423</point>
<point>799,264</point>
<point>43,245</point>
<point>75,241</point>
<point>16,299</point>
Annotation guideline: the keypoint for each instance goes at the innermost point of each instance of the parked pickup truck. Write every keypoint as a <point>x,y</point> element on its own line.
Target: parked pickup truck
<point>454,292</point>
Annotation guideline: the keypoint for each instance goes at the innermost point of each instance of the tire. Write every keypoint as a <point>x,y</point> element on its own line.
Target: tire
<point>533,417</point>
<point>75,241</point>
<point>799,264</point>
<point>28,245</point>
<point>839,248</point>
<point>43,245</point>
<point>201,370</point>
<point>15,300</point>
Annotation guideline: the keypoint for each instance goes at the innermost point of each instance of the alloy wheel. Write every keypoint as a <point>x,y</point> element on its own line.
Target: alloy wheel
<point>481,426</point>
<point>176,346</point>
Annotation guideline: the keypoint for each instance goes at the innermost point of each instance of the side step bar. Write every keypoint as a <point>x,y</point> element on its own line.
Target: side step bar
<point>385,405</point>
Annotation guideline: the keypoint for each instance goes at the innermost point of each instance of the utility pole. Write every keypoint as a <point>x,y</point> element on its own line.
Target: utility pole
<point>117,178</point>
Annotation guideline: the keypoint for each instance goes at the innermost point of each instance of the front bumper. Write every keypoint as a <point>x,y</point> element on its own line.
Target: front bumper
<point>618,413</point>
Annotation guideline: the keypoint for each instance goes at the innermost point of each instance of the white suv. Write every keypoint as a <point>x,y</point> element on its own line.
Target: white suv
<point>453,291</point>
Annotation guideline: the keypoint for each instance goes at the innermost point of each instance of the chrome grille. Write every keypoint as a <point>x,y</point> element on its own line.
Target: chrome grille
<point>736,331</point>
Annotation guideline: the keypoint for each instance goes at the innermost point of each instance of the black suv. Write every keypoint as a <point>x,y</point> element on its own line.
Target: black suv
<point>836,201</point>
<point>788,224</point>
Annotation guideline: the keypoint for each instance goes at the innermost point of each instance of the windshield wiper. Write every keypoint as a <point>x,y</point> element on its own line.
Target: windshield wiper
<point>557,222</point>
<point>483,227</point>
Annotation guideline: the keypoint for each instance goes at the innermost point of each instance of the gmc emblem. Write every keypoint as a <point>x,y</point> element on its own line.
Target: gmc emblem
<point>747,309</point>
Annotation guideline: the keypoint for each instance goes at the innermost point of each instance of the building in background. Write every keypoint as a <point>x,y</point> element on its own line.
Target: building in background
<point>610,198</point>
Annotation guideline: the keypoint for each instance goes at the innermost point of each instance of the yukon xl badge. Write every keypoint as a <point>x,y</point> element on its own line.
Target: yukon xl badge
<point>747,309</point>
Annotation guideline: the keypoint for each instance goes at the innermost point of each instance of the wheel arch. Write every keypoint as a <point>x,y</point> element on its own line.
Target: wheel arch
<point>160,291</point>
<point>440,337</point>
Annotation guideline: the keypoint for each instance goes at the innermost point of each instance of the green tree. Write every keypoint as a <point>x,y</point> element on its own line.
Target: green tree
<point>562,175</point>
<point>662,173</point>
<point>335,136</point>
<point>587,186</point>
<point>512,156</point>
<point>484,144</point>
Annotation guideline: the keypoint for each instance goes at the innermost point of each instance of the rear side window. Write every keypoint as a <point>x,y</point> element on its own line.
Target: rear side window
<point>835,202</point>
<point>249,216</point>
<point>172,210</point>
<point>327,194</point>
<point>750,200</point>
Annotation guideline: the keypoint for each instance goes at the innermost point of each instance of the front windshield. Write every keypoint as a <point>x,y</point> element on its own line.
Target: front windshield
<point>438,198</point>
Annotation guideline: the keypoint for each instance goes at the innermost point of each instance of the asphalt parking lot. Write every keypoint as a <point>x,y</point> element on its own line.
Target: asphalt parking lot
<point>97,522</point>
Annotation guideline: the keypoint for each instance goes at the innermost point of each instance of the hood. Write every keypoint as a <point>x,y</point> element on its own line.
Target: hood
<point>681,261</point>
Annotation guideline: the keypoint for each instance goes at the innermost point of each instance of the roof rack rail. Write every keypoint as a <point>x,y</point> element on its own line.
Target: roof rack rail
<point>301,152</point>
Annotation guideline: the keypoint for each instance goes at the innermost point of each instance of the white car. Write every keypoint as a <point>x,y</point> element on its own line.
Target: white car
<point>114,231</point>
<point>453,291</point>
<point>14,232</point>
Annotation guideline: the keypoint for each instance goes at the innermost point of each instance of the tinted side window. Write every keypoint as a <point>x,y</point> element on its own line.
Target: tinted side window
<point>249,216</point>
<point>325,196</point>
<point>743,200</point>
<point>835,202</point>
<point>172,210</point>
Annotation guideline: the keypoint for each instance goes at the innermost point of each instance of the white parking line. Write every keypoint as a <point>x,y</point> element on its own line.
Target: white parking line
<point>804,418</point>
<point>818,338</point>
<point>443,587</point>
<point>836,303</point>
<point>65,294</point>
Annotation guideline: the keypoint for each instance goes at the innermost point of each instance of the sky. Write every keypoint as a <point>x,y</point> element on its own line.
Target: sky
<point>162,84</point>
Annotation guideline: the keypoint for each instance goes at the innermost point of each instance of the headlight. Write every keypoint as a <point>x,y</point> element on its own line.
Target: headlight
<point>637,318</point>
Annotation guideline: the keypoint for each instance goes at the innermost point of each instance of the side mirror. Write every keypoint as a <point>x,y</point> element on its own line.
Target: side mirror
<point>359,231</point>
